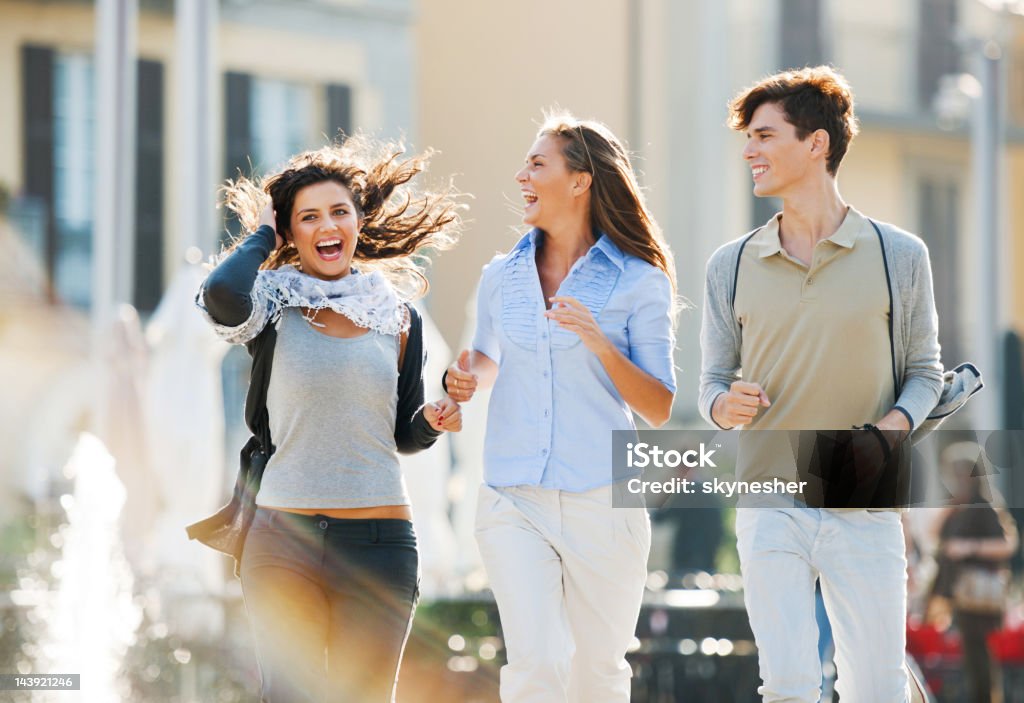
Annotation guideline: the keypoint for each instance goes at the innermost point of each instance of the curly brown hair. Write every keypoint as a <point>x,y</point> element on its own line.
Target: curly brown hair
<point>396,223</point>
<point>812,98</point>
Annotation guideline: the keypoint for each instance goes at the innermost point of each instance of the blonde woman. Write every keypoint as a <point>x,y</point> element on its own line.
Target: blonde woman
<point>575,333</point>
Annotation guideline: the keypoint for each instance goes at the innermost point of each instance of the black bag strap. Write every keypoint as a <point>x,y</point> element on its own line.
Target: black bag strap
<point>261,349</point>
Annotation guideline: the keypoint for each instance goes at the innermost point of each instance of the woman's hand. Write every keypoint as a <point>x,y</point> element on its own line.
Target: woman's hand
<point>268,218</point>
<point>460,381</point>
<point>643,393</point>
<point>576,317</point>
<point>444,415</point>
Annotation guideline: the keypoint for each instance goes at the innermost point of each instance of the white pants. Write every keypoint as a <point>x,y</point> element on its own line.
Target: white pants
<point>860,559</point>
<point>568,573</point>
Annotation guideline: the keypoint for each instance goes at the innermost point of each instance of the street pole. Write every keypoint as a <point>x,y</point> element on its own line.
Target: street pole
<point>634,74</point>
<point>113,240</point>
<point>195,22</point>
<point>986,146</point>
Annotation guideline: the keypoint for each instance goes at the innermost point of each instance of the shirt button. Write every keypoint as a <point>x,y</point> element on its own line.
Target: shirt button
<point>545,374</point>
<point>323,524</point>
<point>543,335</point>
<point>546,413</point>
<point>810,280</point>
<point>544,452</point>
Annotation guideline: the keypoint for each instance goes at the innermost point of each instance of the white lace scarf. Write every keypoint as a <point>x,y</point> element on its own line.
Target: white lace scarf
<point>368,299</point>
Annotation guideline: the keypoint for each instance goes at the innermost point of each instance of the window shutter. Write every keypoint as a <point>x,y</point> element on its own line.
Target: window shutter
<point>238,131</point>
<point>801,38</point>
<point>149,186</point>
<point>339,110</point>
<point>38,145</point>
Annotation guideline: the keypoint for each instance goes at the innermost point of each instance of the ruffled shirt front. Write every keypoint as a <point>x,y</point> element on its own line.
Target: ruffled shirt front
<point>554,407</point>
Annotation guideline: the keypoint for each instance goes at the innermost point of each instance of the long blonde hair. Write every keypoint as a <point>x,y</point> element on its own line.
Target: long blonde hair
<point>617,205</point>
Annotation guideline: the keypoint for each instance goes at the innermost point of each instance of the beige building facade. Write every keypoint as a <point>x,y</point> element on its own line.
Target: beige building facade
<point>472,79</point>
<point>660,74</point>
<point>282,76</point>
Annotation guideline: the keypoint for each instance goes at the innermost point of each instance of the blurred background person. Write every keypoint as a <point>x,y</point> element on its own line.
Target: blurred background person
<point>976,539</point>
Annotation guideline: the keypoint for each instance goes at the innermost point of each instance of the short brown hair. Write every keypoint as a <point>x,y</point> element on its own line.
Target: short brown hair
<point>812,98</point>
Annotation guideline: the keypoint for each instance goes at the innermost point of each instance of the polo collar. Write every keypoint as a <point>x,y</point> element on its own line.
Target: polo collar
<point>770,244</point>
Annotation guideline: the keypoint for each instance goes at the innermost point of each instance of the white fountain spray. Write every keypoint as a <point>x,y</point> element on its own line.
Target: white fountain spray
<point>90,617</point>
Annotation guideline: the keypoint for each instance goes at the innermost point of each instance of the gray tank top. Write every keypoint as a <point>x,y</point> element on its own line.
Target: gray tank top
<point>332,404</point>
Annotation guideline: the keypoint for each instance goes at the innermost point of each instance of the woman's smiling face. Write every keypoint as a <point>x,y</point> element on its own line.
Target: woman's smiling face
<point>324,227</point>
<point>546,184</point>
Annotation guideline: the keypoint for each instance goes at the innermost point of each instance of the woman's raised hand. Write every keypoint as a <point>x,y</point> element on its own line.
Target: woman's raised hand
<point>444,416</point>
<point>572,315</point>
<point>460,381</point>
<point>267,218</point>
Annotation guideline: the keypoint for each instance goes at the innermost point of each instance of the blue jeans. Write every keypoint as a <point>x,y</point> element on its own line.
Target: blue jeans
<point>331,604</point>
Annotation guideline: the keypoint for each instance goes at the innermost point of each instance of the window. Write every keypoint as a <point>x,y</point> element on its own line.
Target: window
<point>937,52</point>
<point>339,110</point>
<point>801,42</point>
<point>282,117</point>
<point>938,202</point>
<point>268,121</point>
<point>59,122</point>
<point>149,183</point>
<point>1015,85</point>
<point>73,159</point>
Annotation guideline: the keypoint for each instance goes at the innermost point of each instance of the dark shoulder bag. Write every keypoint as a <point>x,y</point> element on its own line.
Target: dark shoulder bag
<point>225,530</point>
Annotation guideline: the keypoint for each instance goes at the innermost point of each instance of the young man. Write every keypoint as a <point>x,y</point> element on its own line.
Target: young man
<point>832,318</point>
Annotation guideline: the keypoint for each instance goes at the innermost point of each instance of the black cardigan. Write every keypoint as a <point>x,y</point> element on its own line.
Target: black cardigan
<point>226,294</point>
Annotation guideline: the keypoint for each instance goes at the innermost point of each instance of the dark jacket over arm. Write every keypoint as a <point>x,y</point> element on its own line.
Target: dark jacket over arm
<point>412,431</point>
<point>228,289</point>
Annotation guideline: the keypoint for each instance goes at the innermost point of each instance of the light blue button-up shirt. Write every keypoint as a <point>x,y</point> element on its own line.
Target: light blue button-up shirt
<point>554,407</point>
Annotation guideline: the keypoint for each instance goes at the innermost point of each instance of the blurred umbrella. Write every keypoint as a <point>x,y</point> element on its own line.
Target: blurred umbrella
<point>125,431</point>
<point>184,421</point>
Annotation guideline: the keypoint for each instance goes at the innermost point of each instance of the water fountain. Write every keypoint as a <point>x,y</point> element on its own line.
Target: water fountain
<point>89,616</point>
